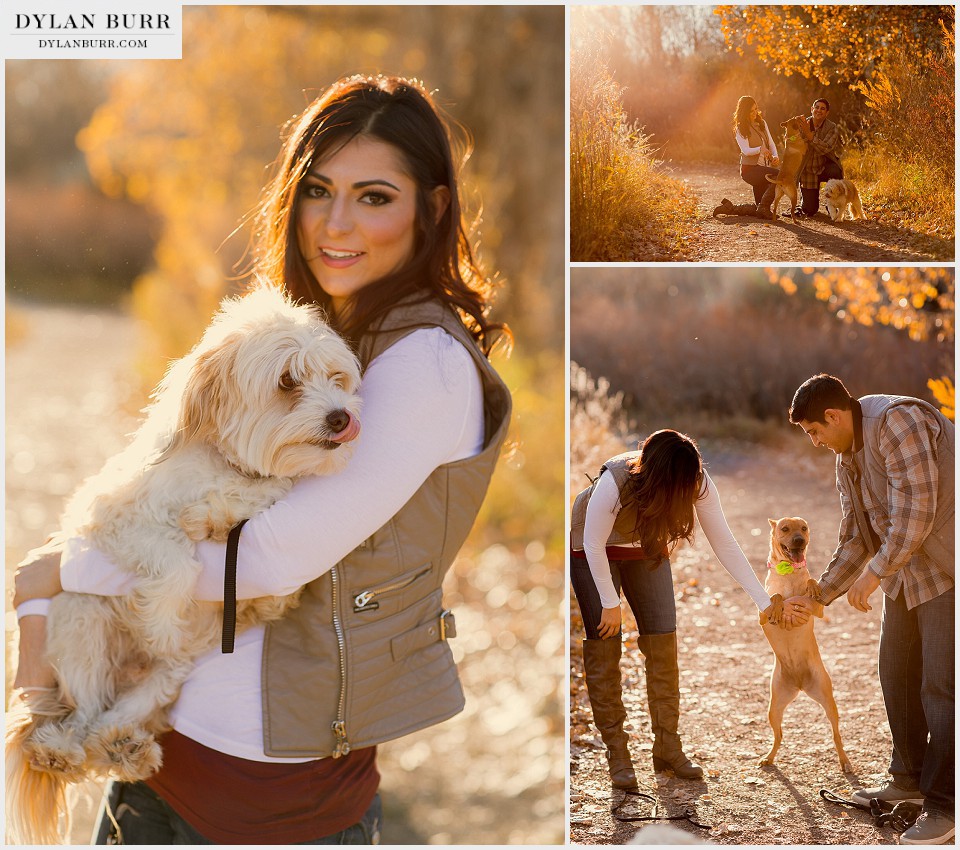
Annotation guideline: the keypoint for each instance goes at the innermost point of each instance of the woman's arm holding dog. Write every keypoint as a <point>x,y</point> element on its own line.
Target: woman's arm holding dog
<point>422,403</point>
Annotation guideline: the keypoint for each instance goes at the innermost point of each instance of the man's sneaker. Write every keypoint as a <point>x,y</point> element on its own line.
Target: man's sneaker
<point>889,793</point>
<point>930,828</point>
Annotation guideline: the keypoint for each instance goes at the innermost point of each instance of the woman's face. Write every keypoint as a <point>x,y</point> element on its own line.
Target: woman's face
<point>754,112</point>
<point>356,218</point>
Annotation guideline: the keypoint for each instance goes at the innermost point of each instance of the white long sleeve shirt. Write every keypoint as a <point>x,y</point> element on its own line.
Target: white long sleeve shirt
<point>602,512</point>
<point>748,150</point>
<point>422,407</point>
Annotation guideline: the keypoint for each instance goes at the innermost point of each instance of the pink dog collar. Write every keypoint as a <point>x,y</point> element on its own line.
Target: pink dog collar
<point>785,567</point>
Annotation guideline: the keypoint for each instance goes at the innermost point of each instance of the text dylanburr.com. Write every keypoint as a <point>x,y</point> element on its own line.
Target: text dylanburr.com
<point>102,30</point>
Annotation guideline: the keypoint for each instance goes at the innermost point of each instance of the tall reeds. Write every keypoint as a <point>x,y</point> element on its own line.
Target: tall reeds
<point>621,207</point>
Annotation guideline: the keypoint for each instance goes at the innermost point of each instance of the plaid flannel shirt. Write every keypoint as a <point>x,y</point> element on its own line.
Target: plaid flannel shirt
<point>820,149</point>
<point>907,443</point>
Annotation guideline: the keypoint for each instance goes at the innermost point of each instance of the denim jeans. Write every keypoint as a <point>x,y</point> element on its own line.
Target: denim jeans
<point>145,818</point>
<point>916,677</point>
<point>756,176</point>
<point>649,593</point>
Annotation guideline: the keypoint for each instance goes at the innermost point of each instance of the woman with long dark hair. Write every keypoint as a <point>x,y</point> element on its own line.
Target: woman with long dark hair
<point>758,157</point>
<point>623,529</point>
<point>276,744</point>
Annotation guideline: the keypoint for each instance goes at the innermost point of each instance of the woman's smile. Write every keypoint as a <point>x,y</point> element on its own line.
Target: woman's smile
<point>356,217</point>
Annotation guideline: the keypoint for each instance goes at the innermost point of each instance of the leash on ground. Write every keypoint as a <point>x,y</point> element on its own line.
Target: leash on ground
<point>687,814</point>
<point>899,817</point>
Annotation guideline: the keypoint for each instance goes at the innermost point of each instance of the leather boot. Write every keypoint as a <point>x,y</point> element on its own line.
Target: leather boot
<point>601,668</point>
<point>728,208</point>
<point>763,208</point>
<point>663,696</point>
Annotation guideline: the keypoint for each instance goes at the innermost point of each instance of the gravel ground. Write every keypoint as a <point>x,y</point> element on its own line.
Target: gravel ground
<point>741,239</point>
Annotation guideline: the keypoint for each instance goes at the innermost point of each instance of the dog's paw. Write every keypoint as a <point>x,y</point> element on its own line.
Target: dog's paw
<point>813,591</point>
<point>198,523</point>
<point>129,753</point>
<point>766,761</point>
<point>55,750</point>
<point>774,611</point>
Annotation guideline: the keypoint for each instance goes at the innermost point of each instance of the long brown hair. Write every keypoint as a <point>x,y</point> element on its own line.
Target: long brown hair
<point>400,112</point>
<point>665,480</point>
<point>741,117</point>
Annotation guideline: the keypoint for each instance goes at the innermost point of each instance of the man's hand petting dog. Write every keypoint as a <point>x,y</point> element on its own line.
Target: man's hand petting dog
<point>860,591</point>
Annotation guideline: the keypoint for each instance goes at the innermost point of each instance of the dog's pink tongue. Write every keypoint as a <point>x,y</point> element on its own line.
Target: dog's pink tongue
<point>351,432</point>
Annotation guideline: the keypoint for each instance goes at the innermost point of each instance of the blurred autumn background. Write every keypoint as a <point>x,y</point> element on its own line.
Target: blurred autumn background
<point>127,188</point>
<point>653,90</point>
<point>717,353</point>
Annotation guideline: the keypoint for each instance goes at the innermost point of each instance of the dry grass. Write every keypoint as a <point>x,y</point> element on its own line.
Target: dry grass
<point>622,207</point>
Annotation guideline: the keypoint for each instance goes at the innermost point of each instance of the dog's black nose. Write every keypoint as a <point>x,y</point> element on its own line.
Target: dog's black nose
<point>337,420</point>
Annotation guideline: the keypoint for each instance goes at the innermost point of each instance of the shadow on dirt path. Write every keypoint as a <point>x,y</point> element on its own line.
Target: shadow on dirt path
<point>746,239</point>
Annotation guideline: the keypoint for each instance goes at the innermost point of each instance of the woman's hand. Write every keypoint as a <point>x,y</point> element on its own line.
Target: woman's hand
<point>609,622</point>
<point>38,575</point>
<point>797,610</point>
<point>776,162</point>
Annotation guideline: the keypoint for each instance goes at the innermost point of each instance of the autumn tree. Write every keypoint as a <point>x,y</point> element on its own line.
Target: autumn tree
<point>833,44</point>
<point>918,301</point>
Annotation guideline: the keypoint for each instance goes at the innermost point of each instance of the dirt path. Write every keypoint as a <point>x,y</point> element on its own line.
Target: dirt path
<point>725,667</point>
<point>746,240</point>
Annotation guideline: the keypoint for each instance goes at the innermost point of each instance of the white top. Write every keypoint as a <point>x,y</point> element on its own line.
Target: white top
<point>746,150</point>
<point>422,408</point>
<point>602,512</point>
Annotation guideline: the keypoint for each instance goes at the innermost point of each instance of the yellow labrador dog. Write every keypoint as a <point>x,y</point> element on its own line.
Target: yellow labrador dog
<point>798,666</point>
<point>794,149</point>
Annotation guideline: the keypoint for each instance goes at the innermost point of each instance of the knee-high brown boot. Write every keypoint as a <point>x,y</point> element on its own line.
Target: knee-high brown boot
<point>663,695</point>
<point>763,208</point>
<point>601,668</point>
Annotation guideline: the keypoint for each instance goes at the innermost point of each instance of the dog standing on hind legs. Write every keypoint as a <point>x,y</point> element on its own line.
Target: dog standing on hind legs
<point>798,665</point>
<point>268,395</point>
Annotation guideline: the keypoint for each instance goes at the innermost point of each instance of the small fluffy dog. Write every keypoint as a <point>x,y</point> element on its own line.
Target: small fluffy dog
<point>841,196</point>
<point>798,666</point>
<point>794,149</point>
<point>267,395</point>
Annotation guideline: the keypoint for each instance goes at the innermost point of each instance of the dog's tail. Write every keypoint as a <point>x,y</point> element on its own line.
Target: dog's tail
<point>35,798</point>
<point>772,179</point>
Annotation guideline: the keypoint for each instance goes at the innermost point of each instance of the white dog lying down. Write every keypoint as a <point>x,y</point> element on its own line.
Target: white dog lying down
<point>268,394</point>
<point>841,196</point>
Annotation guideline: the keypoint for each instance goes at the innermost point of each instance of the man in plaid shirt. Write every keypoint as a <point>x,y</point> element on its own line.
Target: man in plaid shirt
<point>822,160</point>
<point>895,474</point>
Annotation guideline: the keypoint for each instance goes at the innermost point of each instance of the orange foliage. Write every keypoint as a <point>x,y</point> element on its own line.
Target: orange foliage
<point>832,44</point>
<point>919,301</point>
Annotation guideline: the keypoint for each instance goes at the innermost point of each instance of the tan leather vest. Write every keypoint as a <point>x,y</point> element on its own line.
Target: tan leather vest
<point>364,658</point>
<point>624,526</point>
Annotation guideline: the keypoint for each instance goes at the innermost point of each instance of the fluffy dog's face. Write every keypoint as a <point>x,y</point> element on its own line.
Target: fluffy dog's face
<point>789,537</point>
<point>835,197</point>
<point>272,387</point>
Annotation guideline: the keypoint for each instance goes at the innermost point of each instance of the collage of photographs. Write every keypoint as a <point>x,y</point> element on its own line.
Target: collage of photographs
<point>479,424</point>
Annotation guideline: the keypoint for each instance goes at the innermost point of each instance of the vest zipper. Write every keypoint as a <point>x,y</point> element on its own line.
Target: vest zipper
<point>339,725</point>
<point>363,599</point>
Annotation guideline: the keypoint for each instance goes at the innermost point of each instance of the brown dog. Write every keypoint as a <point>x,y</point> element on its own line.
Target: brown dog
<point>798,666</point>
<point>794,149</point>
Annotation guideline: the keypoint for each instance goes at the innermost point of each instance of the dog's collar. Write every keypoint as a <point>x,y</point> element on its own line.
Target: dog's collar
<point>785,567</point>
